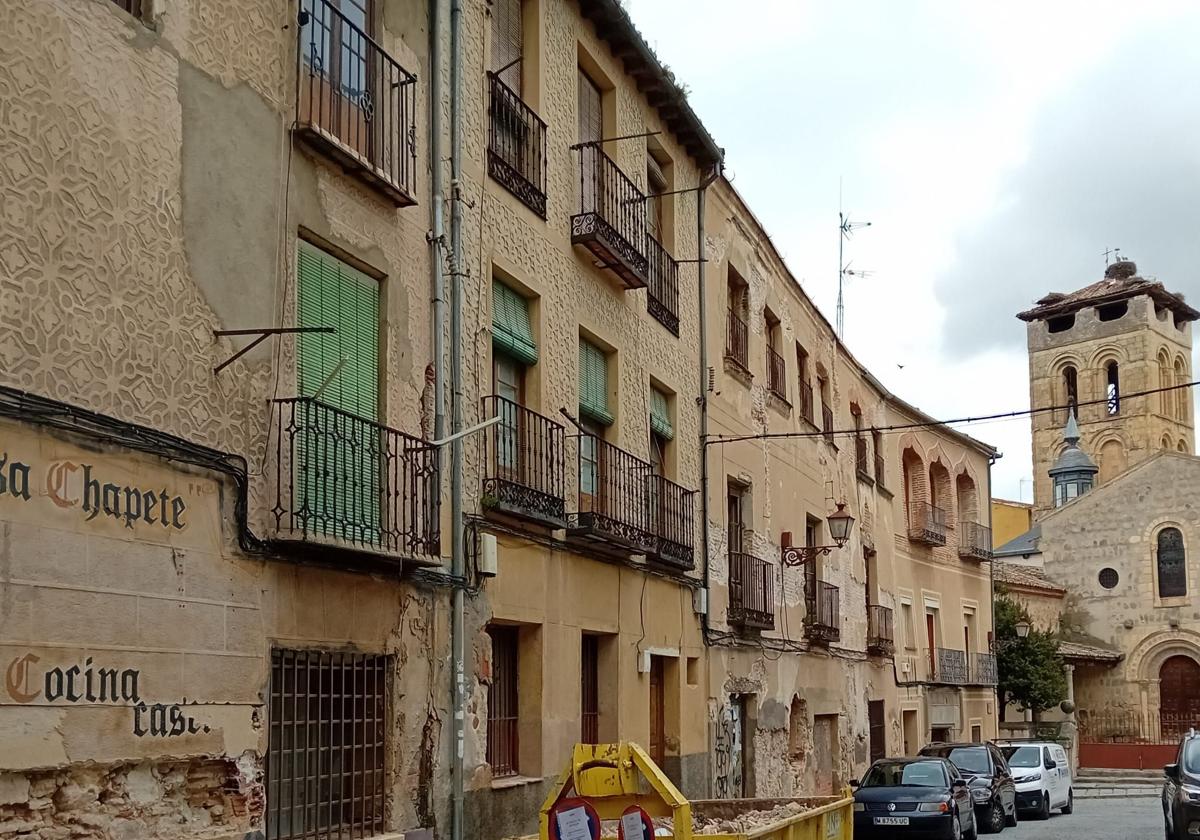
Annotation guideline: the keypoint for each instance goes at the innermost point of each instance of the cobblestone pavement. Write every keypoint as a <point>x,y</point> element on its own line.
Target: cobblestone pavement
<point>1096,819</point>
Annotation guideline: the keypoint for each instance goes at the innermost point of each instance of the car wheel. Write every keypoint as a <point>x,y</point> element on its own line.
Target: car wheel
<point>993,823</point>
<point>1044,812</point>
<point>1070,806</point>
<point>1011,819</point>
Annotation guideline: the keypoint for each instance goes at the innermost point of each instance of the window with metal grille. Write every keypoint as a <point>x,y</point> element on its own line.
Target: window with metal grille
<point>589,679</point>
<point>502,744</point>
<point>326,760</point>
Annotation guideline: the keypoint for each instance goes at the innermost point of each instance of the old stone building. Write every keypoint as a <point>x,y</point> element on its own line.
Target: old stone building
<point>321,320</point>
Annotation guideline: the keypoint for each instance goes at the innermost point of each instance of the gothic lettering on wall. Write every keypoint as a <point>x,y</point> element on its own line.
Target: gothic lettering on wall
<point>72,485</point>
<point>92,684</point>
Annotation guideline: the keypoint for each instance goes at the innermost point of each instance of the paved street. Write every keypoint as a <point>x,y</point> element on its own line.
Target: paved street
<point>1096,819</point>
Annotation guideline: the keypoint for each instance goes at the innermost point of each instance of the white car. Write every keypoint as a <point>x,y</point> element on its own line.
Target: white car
<point>1042,774</point>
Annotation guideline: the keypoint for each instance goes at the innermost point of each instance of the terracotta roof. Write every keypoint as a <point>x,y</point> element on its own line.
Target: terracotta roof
<point>655,81</point>
<point>1025,577</point>
<point>1074,650</point>
<point>1120,283</point>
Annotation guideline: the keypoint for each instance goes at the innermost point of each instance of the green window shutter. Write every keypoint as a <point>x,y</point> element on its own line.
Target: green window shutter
<point>660,414</point>
<point>511,330</point>
<point>593,383</point>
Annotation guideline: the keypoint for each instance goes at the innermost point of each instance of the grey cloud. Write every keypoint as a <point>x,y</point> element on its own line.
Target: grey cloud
<point>1113,162</point>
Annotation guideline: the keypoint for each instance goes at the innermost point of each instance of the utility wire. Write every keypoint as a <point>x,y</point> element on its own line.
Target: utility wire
<point>900,427</point>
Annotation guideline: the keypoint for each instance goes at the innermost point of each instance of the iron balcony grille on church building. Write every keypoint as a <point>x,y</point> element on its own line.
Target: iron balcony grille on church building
<point>524,458</point>
<point>662,285</point>
<point>611,222</point>
<point>951,667</point>
<point>516,146</point>
<point>927,524</point>
<point>822,612</point>
<point>974,541</point>
<point>624,505</point>
<point>751,592</point>
<point>346,482</point>
<point>354,101</point>
<point>881,638</point>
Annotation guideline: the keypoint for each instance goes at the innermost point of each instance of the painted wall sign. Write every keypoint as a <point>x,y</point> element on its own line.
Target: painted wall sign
<point>71,484</point>
<point>91,684</point>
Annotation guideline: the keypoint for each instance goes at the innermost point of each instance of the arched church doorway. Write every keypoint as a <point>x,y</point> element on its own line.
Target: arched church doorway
<point>1179,695</point>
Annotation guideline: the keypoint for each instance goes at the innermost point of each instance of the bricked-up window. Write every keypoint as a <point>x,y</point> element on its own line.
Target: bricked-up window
<point>327,750</point>
<point>503,702</point>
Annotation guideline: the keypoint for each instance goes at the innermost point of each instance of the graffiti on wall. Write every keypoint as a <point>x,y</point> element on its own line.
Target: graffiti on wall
<point>90,684</point>
<point>727,753</point>
<point>67,484</point>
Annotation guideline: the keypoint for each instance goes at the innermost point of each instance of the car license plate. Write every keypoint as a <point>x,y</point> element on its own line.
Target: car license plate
<point>891,821</point>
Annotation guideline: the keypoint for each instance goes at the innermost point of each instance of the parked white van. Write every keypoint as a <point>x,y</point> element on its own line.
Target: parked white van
<point>1042,774</point>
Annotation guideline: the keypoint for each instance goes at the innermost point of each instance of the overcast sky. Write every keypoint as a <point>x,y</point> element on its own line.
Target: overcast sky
<point>997,149</point>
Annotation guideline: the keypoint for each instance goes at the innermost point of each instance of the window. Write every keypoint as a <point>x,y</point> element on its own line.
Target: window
<point>1112,311</point>
<point>503,702</point>
<point>591,130</point>
<point>736,515</point>
<point>1114,388</point>
<point>880,463</point>
<point>1071,389</point>
<point>656,185</point>
<point>512,330</point>
<point>909,631</point>
<point>737,334</point>
<point>508,42</point>
<point>1182,395</point>
<point>593,383</point>
<point>140,9</point>
<point>661,429</point>
<point>1061,324</point>
<point>776,367</point>
<point>1172,567</point>
<point>589,690</point>
<point>826,409</point>
<point>804,384</point>
<point>329,720</point>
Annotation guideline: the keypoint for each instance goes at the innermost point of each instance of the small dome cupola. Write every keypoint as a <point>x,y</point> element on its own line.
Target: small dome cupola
<point>1074,473</point>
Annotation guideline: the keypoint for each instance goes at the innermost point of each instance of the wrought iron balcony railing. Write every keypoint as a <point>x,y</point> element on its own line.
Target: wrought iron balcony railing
<point>822,612</point>
<point>751,592</point>
<point>862,456</point>
<point>827,423</point>
<point>806,402</point>
<point>523,464</point>
<point>614,495</point>
<point>950,667</point>
<point>974,541</point>
<point>881,637</point>
<point>776,374</point>
<point>516,146</point>
<point>355,102</point>
<point>672,525</point>
<point>611,222</point>
<point>927,524</point>
<point>346,482</point>
<point>737,341</point>
<point>662,285</point>
<point>983,669</point>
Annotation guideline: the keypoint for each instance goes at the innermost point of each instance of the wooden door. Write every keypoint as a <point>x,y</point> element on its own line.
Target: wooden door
<point>1179,695</point>
<point>337,87</point>
<point>930,636</point>
<point>658,707</point>
<point>878,730</point>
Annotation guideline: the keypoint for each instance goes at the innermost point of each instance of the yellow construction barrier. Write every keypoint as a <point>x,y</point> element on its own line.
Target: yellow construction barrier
<point>616,790</point>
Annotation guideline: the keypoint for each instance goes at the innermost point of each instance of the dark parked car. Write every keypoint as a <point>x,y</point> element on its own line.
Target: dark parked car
<point>1181,791</point>
<point>913,797</point>
<point>990,781</point>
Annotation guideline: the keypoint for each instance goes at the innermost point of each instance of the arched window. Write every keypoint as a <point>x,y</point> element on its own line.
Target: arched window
<point>1172,568</point>
<point>1182,395</point>
<point>1071,388</point>
<point>1166,398</point>
<point>1114,388</point>
<point>1182,447</point>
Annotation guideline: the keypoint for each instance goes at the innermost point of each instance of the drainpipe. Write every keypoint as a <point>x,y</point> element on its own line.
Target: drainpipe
<point>437,231</point>
<point>457,564</point>
<point>992,585</point>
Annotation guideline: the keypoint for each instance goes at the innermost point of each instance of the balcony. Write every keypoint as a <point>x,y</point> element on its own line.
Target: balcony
<point>523,464</point>
<point>827,423</point>
<point>345,482</point>
<point>822,613</point>
<point>737,341</point>
<point>751,592</point>
<point>927,524</point>
<point>662,285</point>
<point>672,524</point>
<point>881,639</point>
<point>354,102</point>
<point>776,375</point>
<point>806,402</point>
<point>983,669</point>
<point>516,146</point>
<point>974,541</point>
<point>950,667</point>
<point>611,222</point>
<point>614,498</point>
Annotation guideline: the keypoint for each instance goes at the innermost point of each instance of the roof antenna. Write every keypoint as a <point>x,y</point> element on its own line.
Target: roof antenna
<point>846,228</point>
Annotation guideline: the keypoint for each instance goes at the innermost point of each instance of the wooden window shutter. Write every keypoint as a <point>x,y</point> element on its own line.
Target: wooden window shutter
<point>590,112</point>
<point>511,330</point>
<point>660,414</point>
<point>508,41</point>
<point>593,383</point>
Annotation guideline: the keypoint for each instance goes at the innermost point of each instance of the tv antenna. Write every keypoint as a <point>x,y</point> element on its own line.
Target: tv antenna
<point>846,229</point>
<point>1112,252</point>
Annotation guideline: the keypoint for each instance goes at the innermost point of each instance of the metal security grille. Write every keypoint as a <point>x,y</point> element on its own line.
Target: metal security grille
<point>326,764</point>
<point>502,745</point>
<point>589,691</point>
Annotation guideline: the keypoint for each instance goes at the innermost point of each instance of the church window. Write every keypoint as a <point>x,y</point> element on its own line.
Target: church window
<point>1071,388</point>
<point>1062,323</point>
<point>1114,388</point>
<point>1109,578</point>
<point>1172,568</point>
<point>1112,311</point>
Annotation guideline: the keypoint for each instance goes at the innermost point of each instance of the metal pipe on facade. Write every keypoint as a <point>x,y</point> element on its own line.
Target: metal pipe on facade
<point>457,561</point>
<point>437,231</point>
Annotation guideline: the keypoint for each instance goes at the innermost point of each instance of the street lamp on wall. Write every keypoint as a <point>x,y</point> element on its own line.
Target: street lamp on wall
<point>1022,629</point>
<point>840,524</point>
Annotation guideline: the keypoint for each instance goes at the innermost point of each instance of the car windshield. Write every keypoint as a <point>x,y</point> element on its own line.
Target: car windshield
<point>970,759</point>
<point>1023,756</point>
<point>1191,756</point>
<point>900,774</point>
